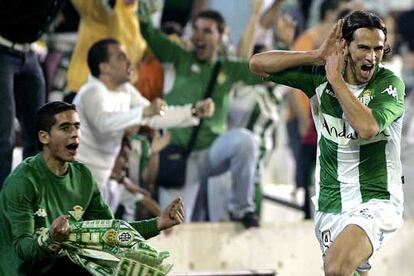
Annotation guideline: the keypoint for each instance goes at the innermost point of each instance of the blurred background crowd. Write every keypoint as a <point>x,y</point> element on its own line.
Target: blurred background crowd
<point>278,119</point>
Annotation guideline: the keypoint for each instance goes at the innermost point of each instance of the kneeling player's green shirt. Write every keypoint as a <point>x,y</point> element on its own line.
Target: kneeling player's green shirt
<point>349,169</point>
<point>32,198</point>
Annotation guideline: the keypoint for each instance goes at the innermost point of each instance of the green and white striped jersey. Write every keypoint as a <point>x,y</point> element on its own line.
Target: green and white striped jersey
<point>256,108</point>
<point>351,170</point>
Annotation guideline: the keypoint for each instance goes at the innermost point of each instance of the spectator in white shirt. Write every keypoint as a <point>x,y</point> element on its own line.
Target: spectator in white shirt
<point>108,105</point>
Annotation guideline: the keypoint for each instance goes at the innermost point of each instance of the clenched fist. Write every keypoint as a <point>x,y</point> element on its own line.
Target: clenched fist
<point>59,231</point>
<point>157,107</point>
<point>204,108</point>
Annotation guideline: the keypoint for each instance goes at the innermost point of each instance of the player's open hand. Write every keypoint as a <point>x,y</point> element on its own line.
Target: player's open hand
<point>329,46</point>
<point>335,63</point>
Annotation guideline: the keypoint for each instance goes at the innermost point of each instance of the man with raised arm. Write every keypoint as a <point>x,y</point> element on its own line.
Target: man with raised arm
<point>109,105</point>
<point>216,149</point>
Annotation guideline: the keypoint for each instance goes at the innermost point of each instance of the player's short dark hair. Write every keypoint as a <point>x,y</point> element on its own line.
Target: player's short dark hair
<point>98,53</point>
<point>363,19</point>
<point>213,15</point>
<point>45,117</point>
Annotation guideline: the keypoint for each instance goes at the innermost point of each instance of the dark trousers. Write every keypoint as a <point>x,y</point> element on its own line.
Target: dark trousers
<point>295,144</point>
<point>22,92</point>
<point>59,266</point>
<point>307,164</point>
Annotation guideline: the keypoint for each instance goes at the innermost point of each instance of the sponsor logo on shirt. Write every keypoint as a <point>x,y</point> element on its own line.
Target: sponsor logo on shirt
<point>392,91</point>
<point>339,131</point>
<point>41,213</point>
<point>339,128</point>
<point>330,93</point>
<point>77,212</point>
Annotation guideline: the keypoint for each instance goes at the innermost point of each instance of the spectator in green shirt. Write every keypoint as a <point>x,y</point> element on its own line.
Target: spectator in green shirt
<point>216,149</point>
<point>47,191</point>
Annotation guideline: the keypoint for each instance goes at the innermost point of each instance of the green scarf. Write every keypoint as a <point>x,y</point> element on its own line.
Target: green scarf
<point>113,247</point>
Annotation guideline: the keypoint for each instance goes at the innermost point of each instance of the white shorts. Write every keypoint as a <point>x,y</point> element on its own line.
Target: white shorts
<point>380,219</point>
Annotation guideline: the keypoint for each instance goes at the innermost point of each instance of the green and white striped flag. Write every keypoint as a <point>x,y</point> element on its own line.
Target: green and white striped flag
<point>113,247</point>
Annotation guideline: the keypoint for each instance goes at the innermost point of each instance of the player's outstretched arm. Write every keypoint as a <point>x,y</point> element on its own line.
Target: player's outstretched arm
<point>271,62</point>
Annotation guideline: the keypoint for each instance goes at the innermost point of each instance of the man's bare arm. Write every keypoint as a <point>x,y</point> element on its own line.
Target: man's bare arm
<point>271,62</point>
<point>276,61</point>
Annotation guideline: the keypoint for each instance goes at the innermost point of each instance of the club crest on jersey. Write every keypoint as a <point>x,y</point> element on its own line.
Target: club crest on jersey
<point>77,212</point>
<point>41,213</point>
<point>221,78</point>
<point>366,97</point>
<point>195,68</point>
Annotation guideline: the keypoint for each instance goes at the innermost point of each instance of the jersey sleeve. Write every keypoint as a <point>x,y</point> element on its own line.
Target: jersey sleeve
<point>166,50</point>
<point>20,198</point>
<point>239,70</point>
<point>388,102</point>
<point>137,100</point>
<point>93,104</point>
<point>305,78</point>
<point>147,228</point>
<point>93,10</point>
<point>174,116</point>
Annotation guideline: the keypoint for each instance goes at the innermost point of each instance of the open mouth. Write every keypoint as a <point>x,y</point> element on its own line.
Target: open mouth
<point>200,46</point>
<point>72,147</point>
<point>366,70</point>
<point>367,67</point>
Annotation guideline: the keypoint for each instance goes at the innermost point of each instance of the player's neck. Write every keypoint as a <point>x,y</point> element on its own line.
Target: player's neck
<point>57,167</point>
<point>109,84</point>
<point>350,76</point>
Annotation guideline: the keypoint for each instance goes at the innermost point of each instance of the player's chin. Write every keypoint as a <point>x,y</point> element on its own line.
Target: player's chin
<point>202,55</point>
<point>70,156</point>
<point>70,159</point>
<point>364,77</point>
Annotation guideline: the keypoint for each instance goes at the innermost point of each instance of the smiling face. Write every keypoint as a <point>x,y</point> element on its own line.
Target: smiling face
<point>206,38</point>
<point>364,54</point>
<point>61,142</point>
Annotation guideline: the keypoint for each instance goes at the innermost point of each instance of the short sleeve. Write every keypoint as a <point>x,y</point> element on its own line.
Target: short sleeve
<point>305,78</point>
<point>388,103</point>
